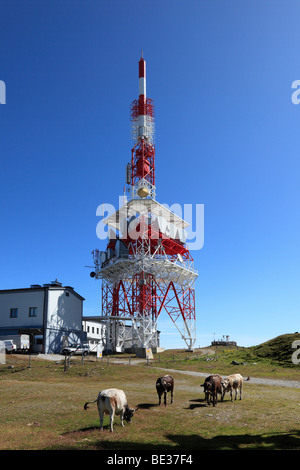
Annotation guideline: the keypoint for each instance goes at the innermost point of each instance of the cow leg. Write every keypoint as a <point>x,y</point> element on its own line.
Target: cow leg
<point>159,398</point>
<point>241,391</point>
<point>231,395</point>
<point>121,417</point>
<point>171,397</point>
<point>165,398</point>
<point>111,421</point>
<point>214,399</point>
<point>236,392</point>
<point>101,420</point>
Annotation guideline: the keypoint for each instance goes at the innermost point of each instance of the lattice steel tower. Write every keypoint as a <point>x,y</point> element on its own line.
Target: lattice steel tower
<point>146,266</point>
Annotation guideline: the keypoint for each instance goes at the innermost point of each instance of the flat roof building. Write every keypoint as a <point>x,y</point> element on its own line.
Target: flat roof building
<point>50,313</point>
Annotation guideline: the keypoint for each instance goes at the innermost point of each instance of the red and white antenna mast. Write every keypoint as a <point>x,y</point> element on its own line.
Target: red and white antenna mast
<point>146,266</point>
<point>142,178</point>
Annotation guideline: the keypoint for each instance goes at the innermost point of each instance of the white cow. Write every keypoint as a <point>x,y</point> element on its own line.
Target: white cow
<point>233,382</point>
<point>112,401</point>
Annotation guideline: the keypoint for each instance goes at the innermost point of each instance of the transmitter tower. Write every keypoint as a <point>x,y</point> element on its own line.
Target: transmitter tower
<point>146,266</point>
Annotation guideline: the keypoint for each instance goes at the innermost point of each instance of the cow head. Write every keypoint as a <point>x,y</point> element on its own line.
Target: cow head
<point>225,384</point>
<point>206,386</point>
<point>128,414</point>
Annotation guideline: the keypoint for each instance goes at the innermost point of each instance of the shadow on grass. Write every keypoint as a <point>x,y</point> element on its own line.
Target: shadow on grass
<point>146,406</point>
<point>199,403</point>
<point>267,441</point>
<point>272,441</point>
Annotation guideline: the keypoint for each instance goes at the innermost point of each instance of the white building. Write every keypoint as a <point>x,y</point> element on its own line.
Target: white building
<point>95,330</point>
<point>50,313</point>
<point>111,336</point>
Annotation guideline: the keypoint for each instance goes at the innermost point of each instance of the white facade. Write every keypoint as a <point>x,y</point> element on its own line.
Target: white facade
<point>96,332</point>
<point>50,313</point>
<point>108,335</point>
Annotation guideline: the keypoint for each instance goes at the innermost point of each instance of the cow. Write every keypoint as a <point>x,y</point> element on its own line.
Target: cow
<point>164,385</point>
<point>233,382</point>
<point>112,401</point>
<point>213,385</point>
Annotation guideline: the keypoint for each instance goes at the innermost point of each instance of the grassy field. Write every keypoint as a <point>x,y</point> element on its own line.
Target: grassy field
<point>42,406</point>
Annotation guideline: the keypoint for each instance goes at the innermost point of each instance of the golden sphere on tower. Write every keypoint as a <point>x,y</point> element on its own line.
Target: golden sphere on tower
<point>143,192</point>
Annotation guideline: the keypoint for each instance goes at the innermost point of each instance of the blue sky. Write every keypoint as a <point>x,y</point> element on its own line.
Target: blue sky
<point>220,74</point>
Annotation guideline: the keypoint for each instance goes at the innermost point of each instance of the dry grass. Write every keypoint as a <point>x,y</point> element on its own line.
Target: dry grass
<point>42,408</point>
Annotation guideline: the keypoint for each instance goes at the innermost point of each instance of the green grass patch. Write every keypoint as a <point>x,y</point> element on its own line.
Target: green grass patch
<point>42,407</point>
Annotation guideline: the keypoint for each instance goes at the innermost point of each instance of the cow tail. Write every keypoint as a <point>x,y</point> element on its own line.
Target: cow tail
<point>86,404</point>
<point>248,378</point>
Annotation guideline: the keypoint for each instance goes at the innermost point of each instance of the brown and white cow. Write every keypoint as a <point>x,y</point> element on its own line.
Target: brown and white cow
<point>233,382</point>
<point>164,385</point>
<point>213,385</point>
<point>112,401</point>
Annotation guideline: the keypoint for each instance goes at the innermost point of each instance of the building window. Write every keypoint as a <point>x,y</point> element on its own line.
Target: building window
<point>67,294</point>
<point>88,329</point>
<point>32,311</point>
<point>13,313</point>
<point>92,329</point>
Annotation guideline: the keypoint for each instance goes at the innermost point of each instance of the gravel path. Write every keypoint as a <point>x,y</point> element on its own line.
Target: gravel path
<point>253,380</point>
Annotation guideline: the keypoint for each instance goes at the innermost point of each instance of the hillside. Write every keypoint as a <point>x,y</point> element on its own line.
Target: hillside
<point>277,350</point>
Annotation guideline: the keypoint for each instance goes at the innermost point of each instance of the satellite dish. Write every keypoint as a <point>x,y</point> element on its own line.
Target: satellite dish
<point>121,249</point>
<point>102,256</point>
<point>110,253</point>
